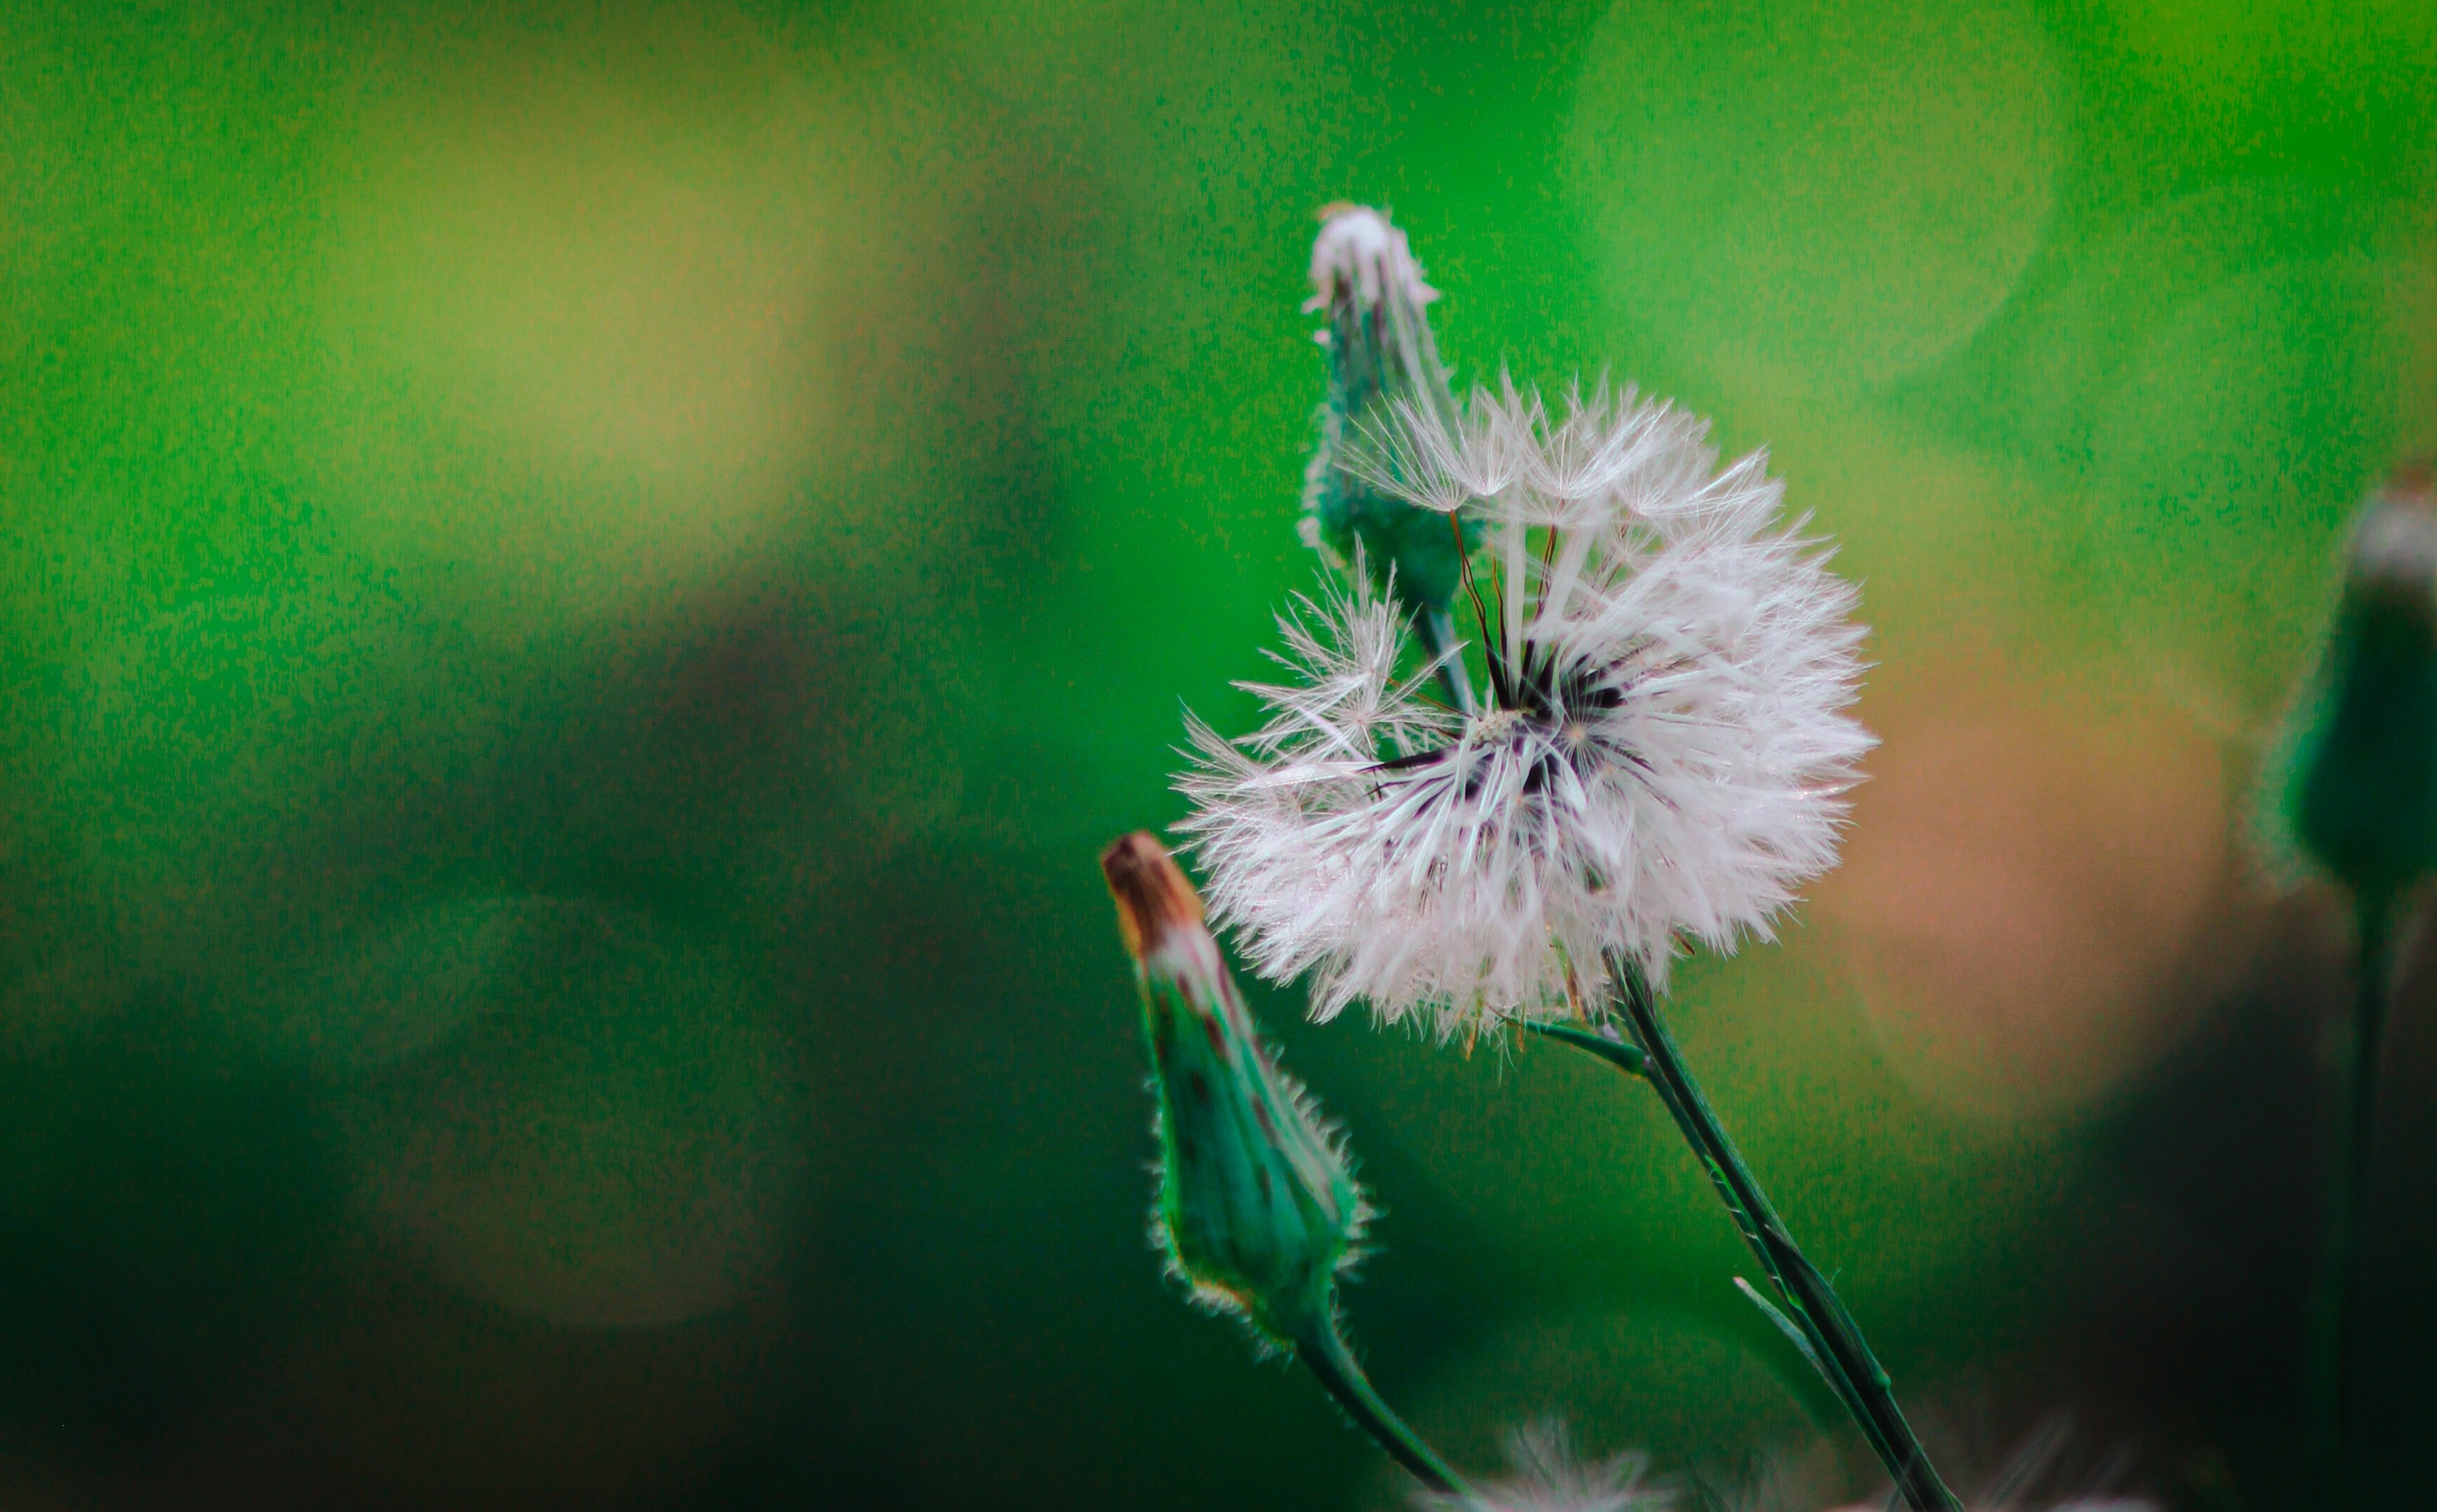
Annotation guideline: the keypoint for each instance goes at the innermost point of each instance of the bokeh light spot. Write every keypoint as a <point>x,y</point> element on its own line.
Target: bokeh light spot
<point>2229,454</point>
<point>2023,883</point>
<point>612,1142</point>
<point>1816,196</point>
<point>182,748</point>
<point>574,315</point>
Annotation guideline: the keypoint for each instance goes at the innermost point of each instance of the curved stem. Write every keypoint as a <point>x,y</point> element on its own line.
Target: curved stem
<point>1327,1357</point>
<point>1616,1052</point>
<point>2335,1300</point>
<point>1843,1355</point>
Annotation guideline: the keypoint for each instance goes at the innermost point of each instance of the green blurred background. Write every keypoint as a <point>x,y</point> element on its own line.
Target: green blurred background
<point>580,588</point>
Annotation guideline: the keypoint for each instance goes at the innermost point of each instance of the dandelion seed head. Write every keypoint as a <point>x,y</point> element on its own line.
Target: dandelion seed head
<point>1662,757</point>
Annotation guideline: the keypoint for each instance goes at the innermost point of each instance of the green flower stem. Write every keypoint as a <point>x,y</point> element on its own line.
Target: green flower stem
<point>1326,1357</point>
<point>2334,1302</point>
<point>1616,1052</point>
<point>1836,1343</point>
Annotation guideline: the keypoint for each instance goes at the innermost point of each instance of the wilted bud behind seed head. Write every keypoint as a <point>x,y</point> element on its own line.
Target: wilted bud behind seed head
<point>1380,355</point>
<point>1259,1210</point>
<point>2360,789</point>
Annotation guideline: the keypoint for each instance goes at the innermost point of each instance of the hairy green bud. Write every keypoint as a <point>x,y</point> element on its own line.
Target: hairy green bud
<point>1380,355</point>
<point>1259,1210</point>
<point>2359,791</point>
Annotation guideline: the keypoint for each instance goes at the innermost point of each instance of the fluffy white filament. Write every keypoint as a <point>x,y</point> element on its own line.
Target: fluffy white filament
<point>1664,756</point>
<point>1548,1477</point>
<point>1358,252</point>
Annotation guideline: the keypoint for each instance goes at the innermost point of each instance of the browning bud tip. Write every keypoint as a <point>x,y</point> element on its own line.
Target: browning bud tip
<point>1153,894</point>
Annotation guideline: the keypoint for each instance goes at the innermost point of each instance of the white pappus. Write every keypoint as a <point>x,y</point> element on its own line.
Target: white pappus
<point>1550,1477</point>
<point>1662,757</point>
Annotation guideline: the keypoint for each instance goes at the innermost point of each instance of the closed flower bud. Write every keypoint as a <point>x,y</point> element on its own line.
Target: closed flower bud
<point>1380,356</point>
<point>2360,788</point>
<point>1259,1210</point>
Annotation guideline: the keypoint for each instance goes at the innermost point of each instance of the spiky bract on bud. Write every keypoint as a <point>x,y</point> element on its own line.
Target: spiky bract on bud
<point>1259,1208</point>
<point>1380,358</point>
<point>2359,787</point>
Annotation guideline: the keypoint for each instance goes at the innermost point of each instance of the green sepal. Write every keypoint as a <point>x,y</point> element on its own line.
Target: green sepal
<point>1381,356</point>
<point>1259,1208</point>
<point>1403,548</point>
<point>1787,1327</point>
<point>1625,1056</point>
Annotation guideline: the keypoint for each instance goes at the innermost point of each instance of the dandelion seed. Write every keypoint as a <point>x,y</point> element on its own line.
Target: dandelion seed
<point>1662,757</point>
<point>1550,1477</point>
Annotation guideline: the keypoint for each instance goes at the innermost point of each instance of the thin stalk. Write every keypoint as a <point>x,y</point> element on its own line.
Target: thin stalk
<point>1480,615</point>
<point>1616,1052</point>
<point>1843,1355</point>
<point>2335,1300</point>
<point>1327,1357</point>
<point>1437,630</point>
